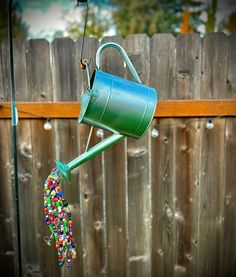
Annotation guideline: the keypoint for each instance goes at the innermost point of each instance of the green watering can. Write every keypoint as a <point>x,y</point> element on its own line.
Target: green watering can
<point>123,107</point>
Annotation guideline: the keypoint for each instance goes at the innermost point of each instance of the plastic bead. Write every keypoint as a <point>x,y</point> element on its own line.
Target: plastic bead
<point>58,219</point>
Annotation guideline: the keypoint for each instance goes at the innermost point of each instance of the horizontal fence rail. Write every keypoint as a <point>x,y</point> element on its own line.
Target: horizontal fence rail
<point>163,205</point>
<point>165,108</point>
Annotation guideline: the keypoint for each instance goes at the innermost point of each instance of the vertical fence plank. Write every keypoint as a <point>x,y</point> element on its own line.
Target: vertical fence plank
<point>187,139</point>
<point>214,65</point>
<point>212,155</point>
<point>162,159</point>
<point>188,66</point>
<point>83,131</point>
<point>8,255</point>
<point>163,65</point>
<point>5,93</point>
<point>40,89</point>
<point>139,187</point>
<point>20,70</point>
<point>2,79</point>
<point>66,131</point>
<point>7,188</point>
<point>186,196</point>
<point>30,257</point>
<point>228,251</point>
<point>231,76</point>
<point>211,197</point>
<point>92,189</point>
<point>116,182</point>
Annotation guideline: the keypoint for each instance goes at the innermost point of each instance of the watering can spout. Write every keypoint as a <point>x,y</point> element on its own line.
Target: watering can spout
<point>65,169</point>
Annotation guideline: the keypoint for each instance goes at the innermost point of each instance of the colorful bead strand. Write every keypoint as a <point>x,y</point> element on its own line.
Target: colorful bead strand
<point>58,219</point>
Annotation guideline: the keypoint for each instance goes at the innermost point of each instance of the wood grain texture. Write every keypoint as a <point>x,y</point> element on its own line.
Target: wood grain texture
<point>64,69</point>
<point>115,164</point>
<point>8,254</point>
<point>231,76</point>
<point>162,159</point>
<point>2,53</point>
<point>30,257</point>
<point>211,199</point>
<point>8,248</point>
<point>187,140</point>
<point>66,132</point>
<point>163,205</point>
<point>139,186</point>
<point>162,58</point>
<point>92,184</point>
<point>228,253</point>
<point>186,145</point>
<point>40,88</point>
<point>214,66</point>
<point>20,70</point>
<point>4,92</point>
<point>188,66</point>
<point>212,157</point>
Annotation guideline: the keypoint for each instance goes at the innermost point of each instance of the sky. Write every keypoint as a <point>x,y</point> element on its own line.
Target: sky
<point>44,17</point>
<point>47,16</point>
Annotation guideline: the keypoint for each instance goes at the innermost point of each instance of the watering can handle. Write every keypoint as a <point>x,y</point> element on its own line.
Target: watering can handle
<point>123,54</point>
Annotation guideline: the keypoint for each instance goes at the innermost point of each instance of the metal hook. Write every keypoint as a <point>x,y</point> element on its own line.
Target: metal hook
<point>86,64</point>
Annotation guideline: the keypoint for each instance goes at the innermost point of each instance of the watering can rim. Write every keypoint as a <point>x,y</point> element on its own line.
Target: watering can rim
<point>151,118</point>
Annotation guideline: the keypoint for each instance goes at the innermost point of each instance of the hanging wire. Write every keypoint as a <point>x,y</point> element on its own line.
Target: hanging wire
<point>89,138</point>
<point>91,128</point>
<point>83,62</point>
<point>14,134</point>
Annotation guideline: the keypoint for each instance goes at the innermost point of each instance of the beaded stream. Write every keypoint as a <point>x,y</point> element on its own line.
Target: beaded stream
<point>58,219</point>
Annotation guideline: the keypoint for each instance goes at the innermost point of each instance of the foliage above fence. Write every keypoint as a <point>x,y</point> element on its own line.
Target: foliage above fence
<point>160,206</point>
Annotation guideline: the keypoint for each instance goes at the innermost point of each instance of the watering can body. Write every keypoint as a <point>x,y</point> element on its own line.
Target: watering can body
<point>118,105</point>
<point>123,107</point>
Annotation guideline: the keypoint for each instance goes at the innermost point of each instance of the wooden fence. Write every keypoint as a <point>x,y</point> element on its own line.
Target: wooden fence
<point>163,206</point>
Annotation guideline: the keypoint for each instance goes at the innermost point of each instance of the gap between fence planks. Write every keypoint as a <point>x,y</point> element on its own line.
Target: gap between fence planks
<point>165,108</point>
